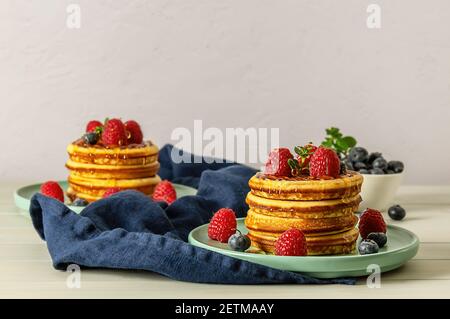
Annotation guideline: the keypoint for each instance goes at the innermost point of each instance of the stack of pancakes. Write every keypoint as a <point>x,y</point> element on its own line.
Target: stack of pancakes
<point>94,169</point>
<point>322,208</point>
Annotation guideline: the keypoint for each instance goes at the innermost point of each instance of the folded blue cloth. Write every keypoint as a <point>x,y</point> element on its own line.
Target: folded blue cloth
<point>130,231</point>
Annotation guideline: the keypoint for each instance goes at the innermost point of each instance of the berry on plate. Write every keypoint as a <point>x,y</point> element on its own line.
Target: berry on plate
<point>368,246</point>
<point>291,243</point>
<point>239,242</point>
<point>277,163</point>
<point>164,192</point>
<point>53,190</point>
<point>135,135</point>
<point>93,125</point>
<point>114,133</point>
<point>324,162</point>
<point>223,225</point>
<point>111,191</point>
<point>379,238</point>
<point>396,212</point>
<point>371,221</point>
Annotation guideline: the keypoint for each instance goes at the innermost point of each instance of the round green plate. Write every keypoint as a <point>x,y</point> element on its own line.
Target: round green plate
<point>402,246</point>
<point>23,195</point>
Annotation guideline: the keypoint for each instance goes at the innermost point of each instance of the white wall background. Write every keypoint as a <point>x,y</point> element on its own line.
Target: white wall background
<point>298,65</point>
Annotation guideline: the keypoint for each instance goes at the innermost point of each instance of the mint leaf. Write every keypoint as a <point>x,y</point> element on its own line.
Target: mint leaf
<point>298,150</point>
<point>349,140</point>
<point>293,164</point>
<point>336,141</point>
<point>332,131</point>
<point>341,144</point>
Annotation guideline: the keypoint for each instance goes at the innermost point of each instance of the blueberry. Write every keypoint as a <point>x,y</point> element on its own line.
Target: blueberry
<point>80,202</point>
<point>239,242</point>
<point>388,171</point>
<point>364,171</point>
<point>396,212</point>
<point>376,171</point>
<point>373,156</point>
<point>379,238</point>
<point>349,164</point>
<point>91,138</point>
<point>359,165</point>
<point>396,166</point>
<point>380,163</point>
<point>358,154</point>
<point>368,246</point>
<point>343,169</point>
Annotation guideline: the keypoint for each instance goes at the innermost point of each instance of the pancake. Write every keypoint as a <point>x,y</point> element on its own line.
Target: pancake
<point>89,170</point>
<point>327,244</point>
<point>94,169</point>
<point>92,194</point>
<point>323,209</point>
<point>258,221</point>
<point>303,209</point>
<point>135,154</point>
<point>306,187</point>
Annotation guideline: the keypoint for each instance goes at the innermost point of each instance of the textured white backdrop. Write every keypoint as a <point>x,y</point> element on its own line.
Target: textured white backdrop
<point>297,65</point>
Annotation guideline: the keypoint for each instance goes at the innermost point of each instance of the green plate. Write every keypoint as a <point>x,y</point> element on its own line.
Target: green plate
<point>402,246</point>
<point>23,195</point>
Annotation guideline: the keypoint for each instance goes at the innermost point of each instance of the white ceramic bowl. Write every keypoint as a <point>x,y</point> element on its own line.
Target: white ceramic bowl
<point>378,191</point>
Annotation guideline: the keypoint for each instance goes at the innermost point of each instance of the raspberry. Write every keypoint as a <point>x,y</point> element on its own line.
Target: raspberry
<point>92,126</point>
<point>222,225</point>
<point>324,162</point>
<point>165,192</point>
<point>291,243</point>
<point>52,189</point>
<point>277,164</point>
<point>114,133</point>
<point>111,191</point>
<point>135,135</point>
<point>371,221</point>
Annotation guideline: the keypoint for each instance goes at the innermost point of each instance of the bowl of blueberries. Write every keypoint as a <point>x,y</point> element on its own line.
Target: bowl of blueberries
<point>382,178</point>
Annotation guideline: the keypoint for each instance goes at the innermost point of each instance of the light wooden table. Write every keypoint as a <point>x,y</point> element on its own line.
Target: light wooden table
<point>26,270</point>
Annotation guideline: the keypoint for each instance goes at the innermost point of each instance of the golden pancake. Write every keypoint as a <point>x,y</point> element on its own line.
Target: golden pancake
<point>94,169</point>
<point>306,187</point>
<point>327,244</point>
<point>136,154</point>
<point>93,194</point>
<point>323,209</point>
<point>303,209</point>
<point>112,171</point>
<point>258,221</point>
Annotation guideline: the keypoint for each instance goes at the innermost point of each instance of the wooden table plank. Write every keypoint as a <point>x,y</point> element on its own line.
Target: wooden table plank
<point>26,270</point>
<point>160,287</point>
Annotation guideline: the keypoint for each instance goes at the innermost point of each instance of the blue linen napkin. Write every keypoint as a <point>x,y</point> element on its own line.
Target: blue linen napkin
<point>130,231</point>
